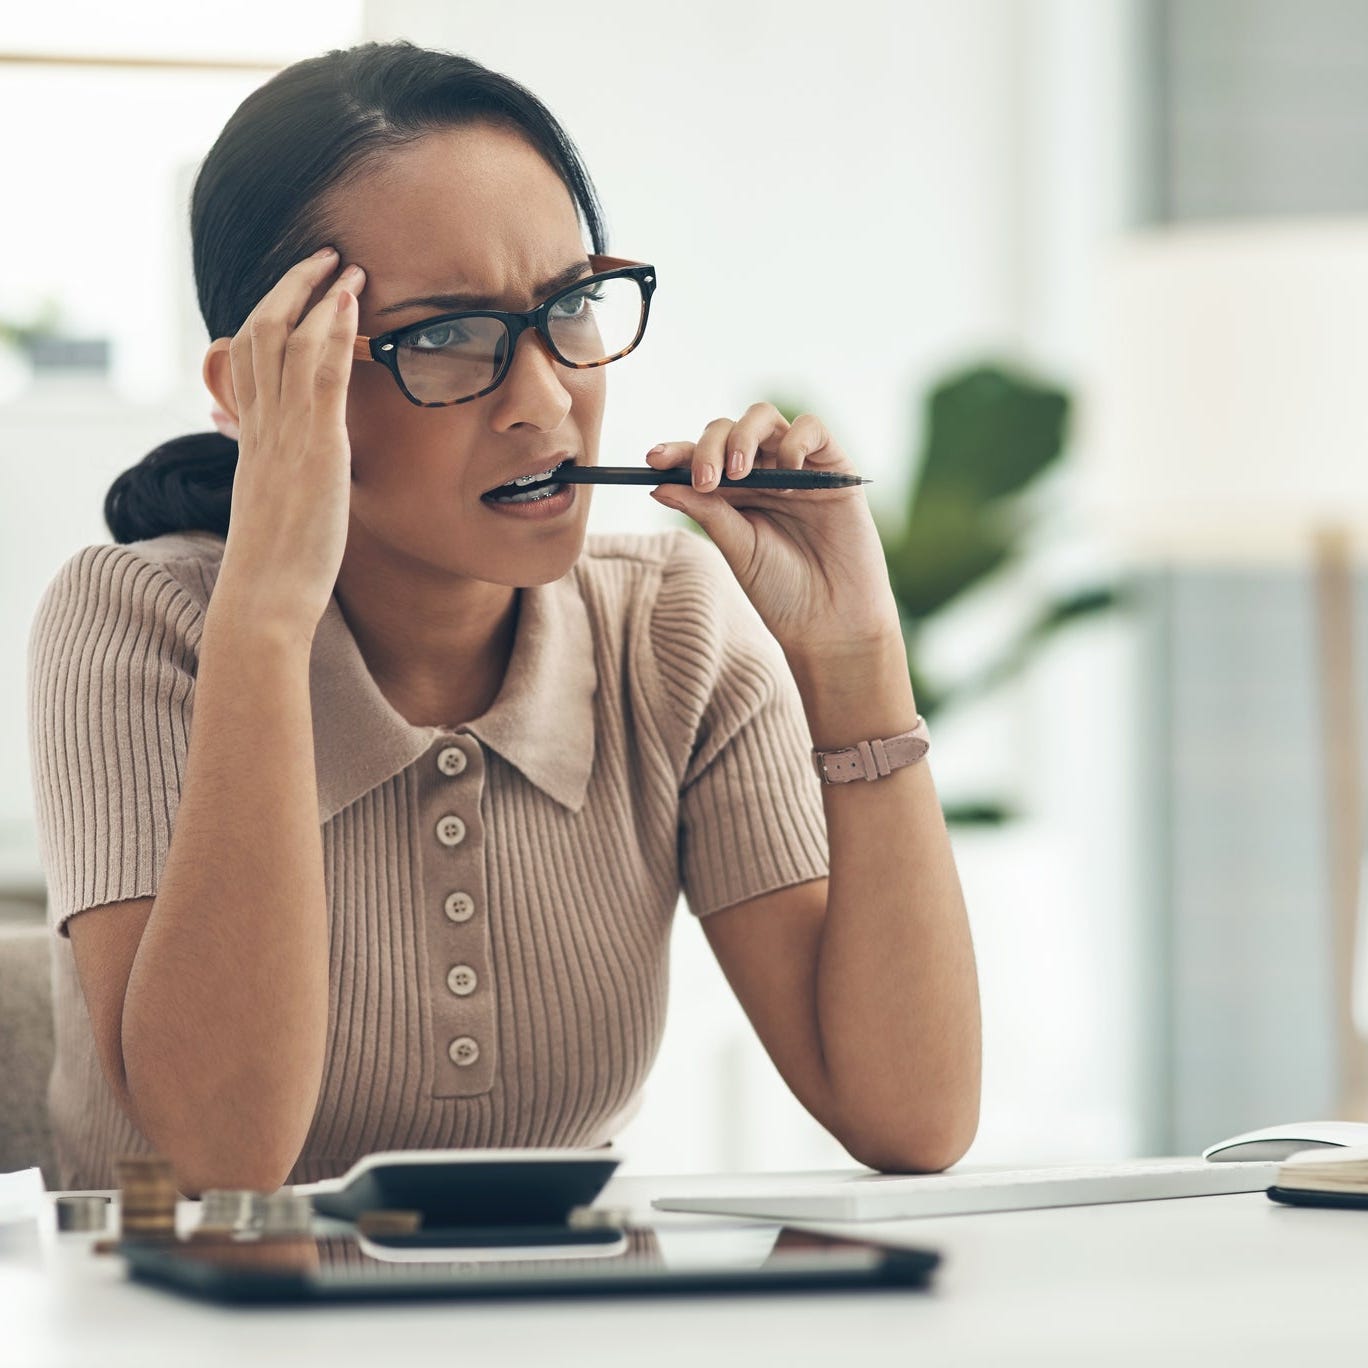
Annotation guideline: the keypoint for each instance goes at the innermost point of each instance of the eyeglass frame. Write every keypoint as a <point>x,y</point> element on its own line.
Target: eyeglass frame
<point>383,347</point>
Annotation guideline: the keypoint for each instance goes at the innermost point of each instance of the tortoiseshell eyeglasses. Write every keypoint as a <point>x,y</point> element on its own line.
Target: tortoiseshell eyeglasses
<point>456,357</point>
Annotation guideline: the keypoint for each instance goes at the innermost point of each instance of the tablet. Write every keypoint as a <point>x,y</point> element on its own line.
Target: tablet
<point>608,1261</point>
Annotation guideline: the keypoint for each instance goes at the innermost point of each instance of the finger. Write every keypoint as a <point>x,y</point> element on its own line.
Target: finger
<point>311,365</point>
<point>269,325</point>
<point>332,376</point>
<point>244,382</point>
<point>671,455</point>
<point>808,443</point>
<point>668,454</point>
<point>728,527</point>
<point>759,431</point>
<point>710,453</point>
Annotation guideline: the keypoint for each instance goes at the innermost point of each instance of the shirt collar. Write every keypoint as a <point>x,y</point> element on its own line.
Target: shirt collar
<point>542,720</point>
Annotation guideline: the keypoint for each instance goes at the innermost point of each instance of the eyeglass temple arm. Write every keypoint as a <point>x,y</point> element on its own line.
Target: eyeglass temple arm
<point>361,347</point>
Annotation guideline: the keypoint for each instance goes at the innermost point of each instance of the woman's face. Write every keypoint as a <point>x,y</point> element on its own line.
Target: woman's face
<point>470,211</point>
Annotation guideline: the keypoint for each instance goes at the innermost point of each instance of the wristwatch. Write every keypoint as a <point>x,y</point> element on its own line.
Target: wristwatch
<point>873,759</point>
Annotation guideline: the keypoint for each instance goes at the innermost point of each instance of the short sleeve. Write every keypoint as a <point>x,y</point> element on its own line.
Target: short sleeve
<point>751,817</point>
<point>111,666</point>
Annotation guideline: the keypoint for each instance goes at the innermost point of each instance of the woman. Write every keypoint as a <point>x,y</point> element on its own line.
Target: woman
<point>408,878</point>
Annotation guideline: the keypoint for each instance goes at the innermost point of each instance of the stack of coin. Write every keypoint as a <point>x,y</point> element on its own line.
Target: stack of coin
<point>147,1197</point>
<point>226,1211</point>
<point>390,1221</point>
<point>287,1213</point>
<point>81,1212</point>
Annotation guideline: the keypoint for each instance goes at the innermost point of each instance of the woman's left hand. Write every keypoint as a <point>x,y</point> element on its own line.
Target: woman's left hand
<point>810,560</point>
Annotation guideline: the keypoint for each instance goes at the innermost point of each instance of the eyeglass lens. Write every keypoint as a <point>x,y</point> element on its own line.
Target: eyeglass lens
<point>454,360</point>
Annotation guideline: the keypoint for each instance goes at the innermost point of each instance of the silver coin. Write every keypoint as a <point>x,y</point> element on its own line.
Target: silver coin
<point>82,1213</point>
<point>287,1213</point>
<point>230,1209</point>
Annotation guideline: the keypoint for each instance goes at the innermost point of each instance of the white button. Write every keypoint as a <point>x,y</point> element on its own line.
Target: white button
<point>451,760</point>
<point>450,830</point>
<point>464,1050</point>
<point>459,906</point>
<point>461,980</point>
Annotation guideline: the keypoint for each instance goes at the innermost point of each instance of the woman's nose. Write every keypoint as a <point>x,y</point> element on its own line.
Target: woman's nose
<point>531,380</point>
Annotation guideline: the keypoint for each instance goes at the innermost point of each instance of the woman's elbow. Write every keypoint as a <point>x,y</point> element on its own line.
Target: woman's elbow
<point>920,1149</point>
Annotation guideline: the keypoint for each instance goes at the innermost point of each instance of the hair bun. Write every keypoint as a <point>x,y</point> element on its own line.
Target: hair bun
<point>185,484</point>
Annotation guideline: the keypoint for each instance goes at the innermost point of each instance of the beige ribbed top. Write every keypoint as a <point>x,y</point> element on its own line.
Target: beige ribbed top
<point>500,892</point>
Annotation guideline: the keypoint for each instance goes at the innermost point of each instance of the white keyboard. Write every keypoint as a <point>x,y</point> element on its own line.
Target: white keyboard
<point>890,1196</point>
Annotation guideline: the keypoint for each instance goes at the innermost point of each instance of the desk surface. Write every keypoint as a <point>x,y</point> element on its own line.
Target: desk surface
<point>1222,1279</point>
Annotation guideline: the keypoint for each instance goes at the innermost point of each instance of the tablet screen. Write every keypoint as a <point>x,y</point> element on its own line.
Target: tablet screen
<point>746,1256</point>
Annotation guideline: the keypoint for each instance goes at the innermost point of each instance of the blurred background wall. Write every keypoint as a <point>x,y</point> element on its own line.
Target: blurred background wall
<point>849,208</point>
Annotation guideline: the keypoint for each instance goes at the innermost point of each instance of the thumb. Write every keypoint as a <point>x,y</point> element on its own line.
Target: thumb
<point>731,533</point>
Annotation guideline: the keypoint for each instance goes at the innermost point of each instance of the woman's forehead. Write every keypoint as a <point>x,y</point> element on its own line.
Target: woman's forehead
<point>473,209</point>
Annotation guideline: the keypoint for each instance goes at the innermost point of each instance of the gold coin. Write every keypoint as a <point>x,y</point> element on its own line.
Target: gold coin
<point>389,1222</point>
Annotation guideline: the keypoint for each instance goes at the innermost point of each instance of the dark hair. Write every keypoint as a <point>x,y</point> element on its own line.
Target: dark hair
<point>257,208</point>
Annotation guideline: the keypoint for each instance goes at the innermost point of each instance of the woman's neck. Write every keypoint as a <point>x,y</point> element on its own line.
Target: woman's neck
<point>438,653</point>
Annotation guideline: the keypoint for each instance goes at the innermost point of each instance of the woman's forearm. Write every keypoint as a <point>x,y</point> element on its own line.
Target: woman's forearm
<point>897,989</point>
<point>225,1016</point>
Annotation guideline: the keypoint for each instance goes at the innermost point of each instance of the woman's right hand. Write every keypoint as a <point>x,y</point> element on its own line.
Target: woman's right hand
<point>292,489</point>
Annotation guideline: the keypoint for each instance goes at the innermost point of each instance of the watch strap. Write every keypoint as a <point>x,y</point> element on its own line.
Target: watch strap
<point>872,759</point>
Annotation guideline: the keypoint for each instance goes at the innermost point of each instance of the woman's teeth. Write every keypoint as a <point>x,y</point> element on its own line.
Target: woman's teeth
<point>545,491</point>
<point>523,482</point>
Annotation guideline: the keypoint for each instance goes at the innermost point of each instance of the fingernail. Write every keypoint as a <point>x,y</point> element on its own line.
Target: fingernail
<point>656,450</point>
<point>737,461</point>
<point>324,251</point>
<point>353,272</point>
<point>705,475</point>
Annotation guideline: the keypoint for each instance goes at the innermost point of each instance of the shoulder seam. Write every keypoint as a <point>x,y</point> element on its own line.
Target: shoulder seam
<point>118,551</point>
<point>123,549</point>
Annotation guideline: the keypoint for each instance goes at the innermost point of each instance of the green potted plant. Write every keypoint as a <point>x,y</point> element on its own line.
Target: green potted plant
<point>991,433</point>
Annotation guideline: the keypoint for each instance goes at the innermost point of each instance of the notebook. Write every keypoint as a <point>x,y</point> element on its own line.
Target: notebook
<point>866,1196</point>
<point>1315,1177</point>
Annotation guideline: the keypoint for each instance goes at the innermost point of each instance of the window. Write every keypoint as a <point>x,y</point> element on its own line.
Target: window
<point>103,150</point>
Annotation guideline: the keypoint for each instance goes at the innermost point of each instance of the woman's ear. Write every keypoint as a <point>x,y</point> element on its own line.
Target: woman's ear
<point>218,379</point>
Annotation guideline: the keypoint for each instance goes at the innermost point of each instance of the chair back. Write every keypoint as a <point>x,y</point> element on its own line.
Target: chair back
<point>26,1049</point>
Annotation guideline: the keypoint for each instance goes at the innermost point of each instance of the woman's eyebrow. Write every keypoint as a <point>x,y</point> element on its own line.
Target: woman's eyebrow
<point>568,276</point>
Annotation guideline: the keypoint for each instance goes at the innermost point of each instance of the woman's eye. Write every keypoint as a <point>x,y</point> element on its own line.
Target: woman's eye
<point>577,305</point>
<point>433,339</point>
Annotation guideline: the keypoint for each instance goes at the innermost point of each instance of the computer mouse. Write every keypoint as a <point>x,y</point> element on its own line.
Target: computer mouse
<point>1277,1142</point>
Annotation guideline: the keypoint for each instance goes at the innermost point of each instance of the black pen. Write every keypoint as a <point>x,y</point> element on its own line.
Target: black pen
<point>765,477</point>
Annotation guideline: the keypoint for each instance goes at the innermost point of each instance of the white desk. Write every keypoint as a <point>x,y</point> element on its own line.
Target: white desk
<point>1210,1280</point>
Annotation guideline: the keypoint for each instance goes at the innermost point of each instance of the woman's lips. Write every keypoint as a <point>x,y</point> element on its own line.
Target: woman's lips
<point>548,506</point>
